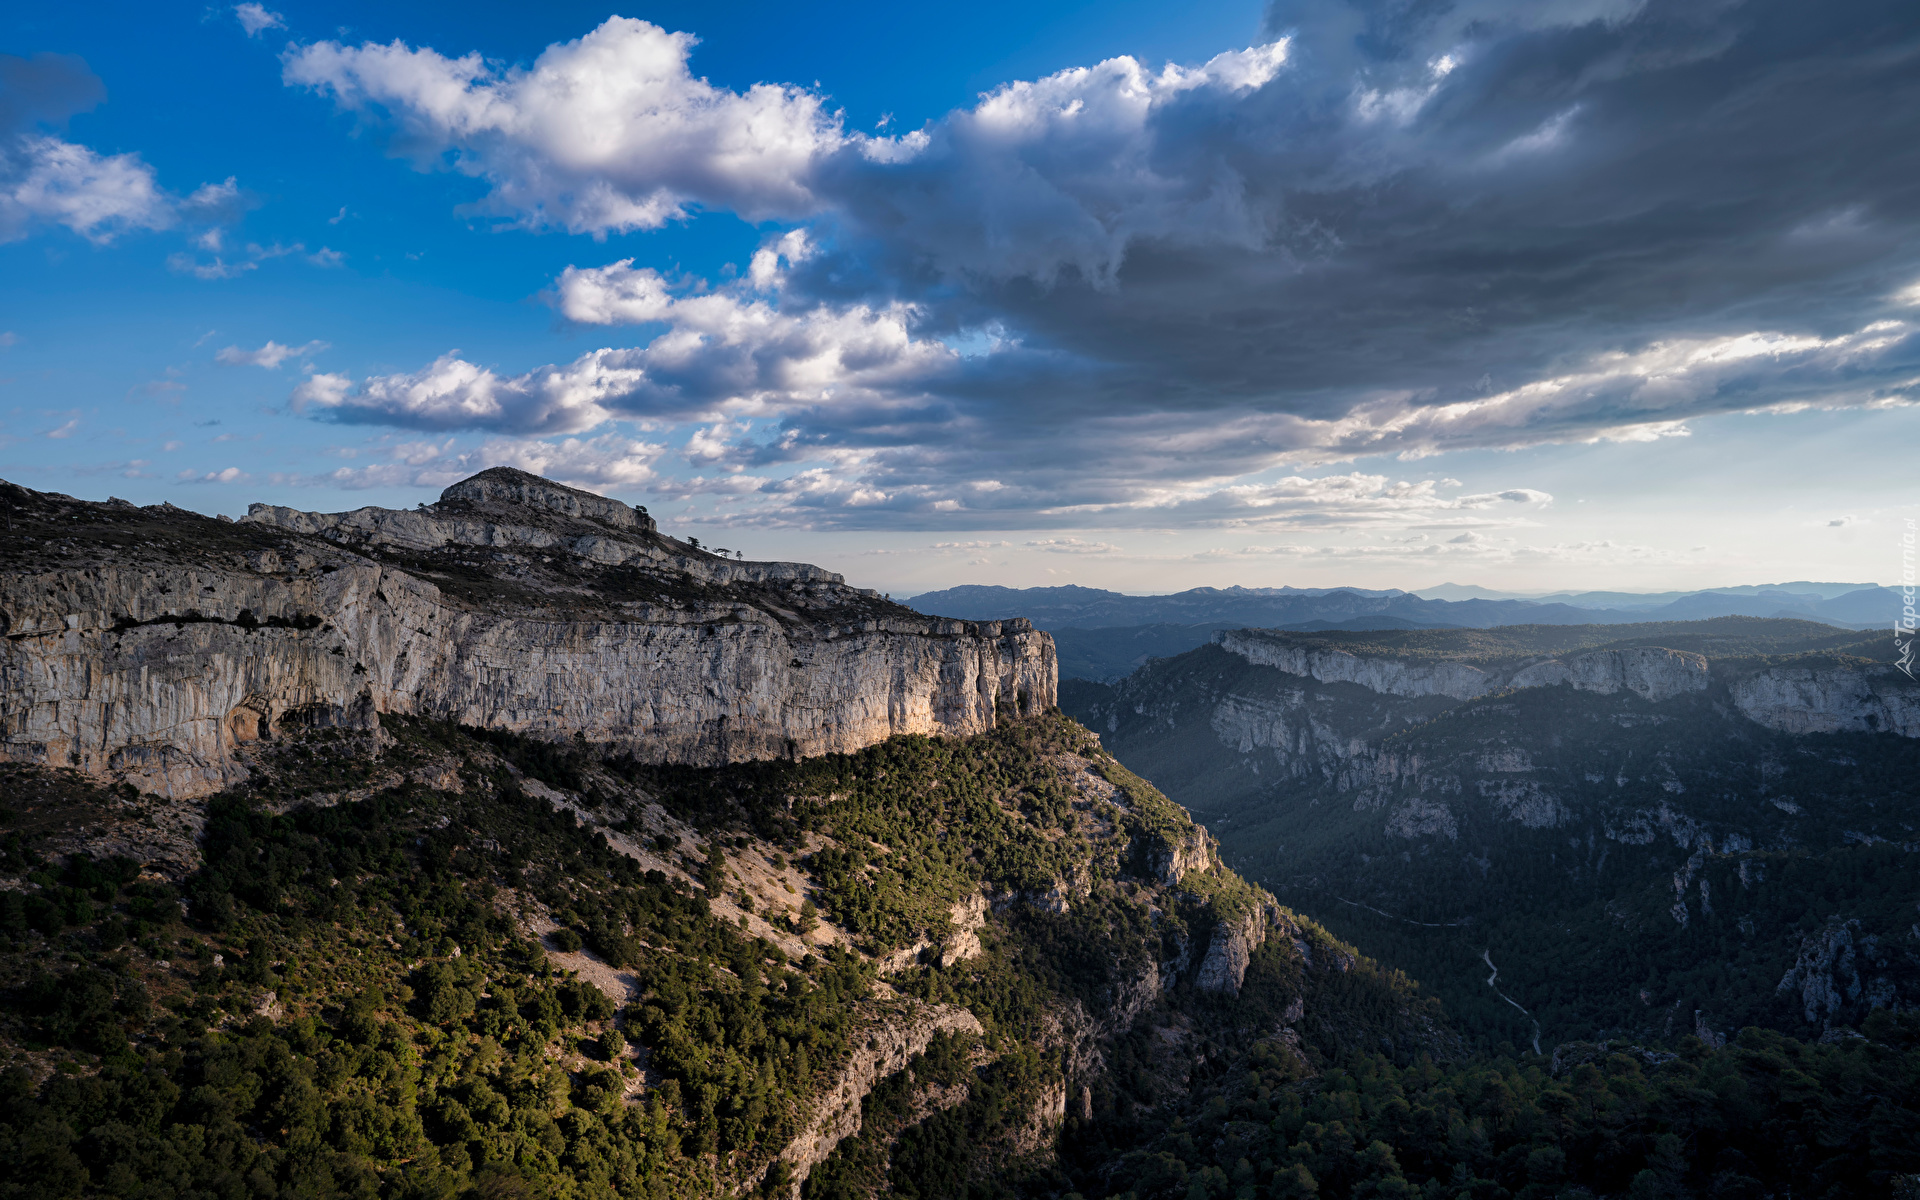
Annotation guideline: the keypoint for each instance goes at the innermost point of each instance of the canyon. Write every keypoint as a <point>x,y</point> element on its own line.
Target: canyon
<point>1707,801</point>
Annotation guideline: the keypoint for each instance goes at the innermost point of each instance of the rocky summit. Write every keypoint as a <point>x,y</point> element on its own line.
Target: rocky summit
<point>153,645</point>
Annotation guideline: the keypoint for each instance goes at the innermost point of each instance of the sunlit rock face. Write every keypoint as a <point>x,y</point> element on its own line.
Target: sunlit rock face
<point>152,644</point>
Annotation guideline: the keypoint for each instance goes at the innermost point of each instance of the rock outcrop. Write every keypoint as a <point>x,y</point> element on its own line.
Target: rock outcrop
<point>1173,857</point>
<point>1230,949</point>
<point>1457,680</point>
<point>1830,700</point>
<point>890,1044</point>
<point>1652,673</point>
<point>151,644</point>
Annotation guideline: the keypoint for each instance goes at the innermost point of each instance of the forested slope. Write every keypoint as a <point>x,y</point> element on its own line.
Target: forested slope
<point>429,963</point>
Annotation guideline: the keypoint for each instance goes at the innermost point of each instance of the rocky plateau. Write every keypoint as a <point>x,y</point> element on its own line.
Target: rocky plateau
<point>150,644</point>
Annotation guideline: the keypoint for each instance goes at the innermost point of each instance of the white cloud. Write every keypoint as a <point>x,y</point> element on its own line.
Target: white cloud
<point>255,19</point>
<point>725,353</point>
<point>1072,545</point>
<point>270,355</point>
<point>1639,395</point>
<point>183,263</point>
<point>1268,263</point>
<point>1550,135</point>
<point>99,197</point>
<point>951,547</point>
<point>224,475</point>
<point>1350,500</point>
<point>610,461</point>
<point>452,393</point>
<point>219,268</point>
<point>215,199</point>
<point>607,133</point>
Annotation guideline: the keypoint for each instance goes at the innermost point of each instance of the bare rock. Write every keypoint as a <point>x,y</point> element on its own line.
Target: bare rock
<point>1231,950</point>
<point>1191,851</point>
<point>1831,700</point>
<point>158,666</point>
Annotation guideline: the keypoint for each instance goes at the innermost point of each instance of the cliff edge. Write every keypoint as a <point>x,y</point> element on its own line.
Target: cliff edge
<point>153,644</point>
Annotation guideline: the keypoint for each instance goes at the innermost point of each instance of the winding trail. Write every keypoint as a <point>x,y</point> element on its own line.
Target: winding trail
<point>1409,920</point>
<point>1486,956</point>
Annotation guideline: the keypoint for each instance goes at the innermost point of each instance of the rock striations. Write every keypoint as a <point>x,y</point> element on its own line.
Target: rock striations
<point>152,644</point>
<point>1855,698</point>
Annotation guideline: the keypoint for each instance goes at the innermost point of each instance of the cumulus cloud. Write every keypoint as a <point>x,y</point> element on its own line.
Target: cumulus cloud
<point>98,196</point>
<point>452,393</point>
<point>270,356</point>
<point>726,353</point>
<point>610,132</point>
<point>1387,230</point>
<point>223,475</point>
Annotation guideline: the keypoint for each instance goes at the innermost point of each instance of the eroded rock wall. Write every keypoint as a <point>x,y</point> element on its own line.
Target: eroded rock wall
<point>1653,673</point>
<point>1831,700</point>
<point>157,671</point>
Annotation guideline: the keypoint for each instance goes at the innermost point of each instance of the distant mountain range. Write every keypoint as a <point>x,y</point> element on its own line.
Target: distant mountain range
<point>1639,600</point>
<point>1103,634</point>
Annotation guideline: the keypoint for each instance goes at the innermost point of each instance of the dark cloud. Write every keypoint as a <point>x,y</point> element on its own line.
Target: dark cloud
<point>45,89</point>
<point>1417,227</point>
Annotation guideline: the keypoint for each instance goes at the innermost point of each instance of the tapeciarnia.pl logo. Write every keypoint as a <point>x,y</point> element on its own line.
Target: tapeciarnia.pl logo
<point>1903,628</point>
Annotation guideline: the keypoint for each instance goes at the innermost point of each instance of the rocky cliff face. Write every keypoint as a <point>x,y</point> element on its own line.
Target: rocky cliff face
<point>1652,673</point>
<point>151,644</point>
<point>1660,786</point>
<point>1857,697</point>
<point>1830,700</point>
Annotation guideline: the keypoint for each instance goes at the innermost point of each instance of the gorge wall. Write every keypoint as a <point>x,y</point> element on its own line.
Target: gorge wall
<point>1831,699</point>
<point>152,644</point>
<point>1719,803</point>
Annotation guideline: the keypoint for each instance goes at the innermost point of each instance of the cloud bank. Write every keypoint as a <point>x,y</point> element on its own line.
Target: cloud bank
<point>1131,294</point>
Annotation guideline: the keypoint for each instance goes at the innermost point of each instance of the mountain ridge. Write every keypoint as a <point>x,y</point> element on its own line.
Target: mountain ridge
<point>1080,607</point>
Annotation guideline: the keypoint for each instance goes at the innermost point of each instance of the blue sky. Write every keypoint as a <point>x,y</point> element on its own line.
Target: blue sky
<point>1593,293</point>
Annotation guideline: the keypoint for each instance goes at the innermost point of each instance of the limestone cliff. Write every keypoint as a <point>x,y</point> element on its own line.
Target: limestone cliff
<point>148,644</point>
<point>1652,673</point>
<point>1830,700</point>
